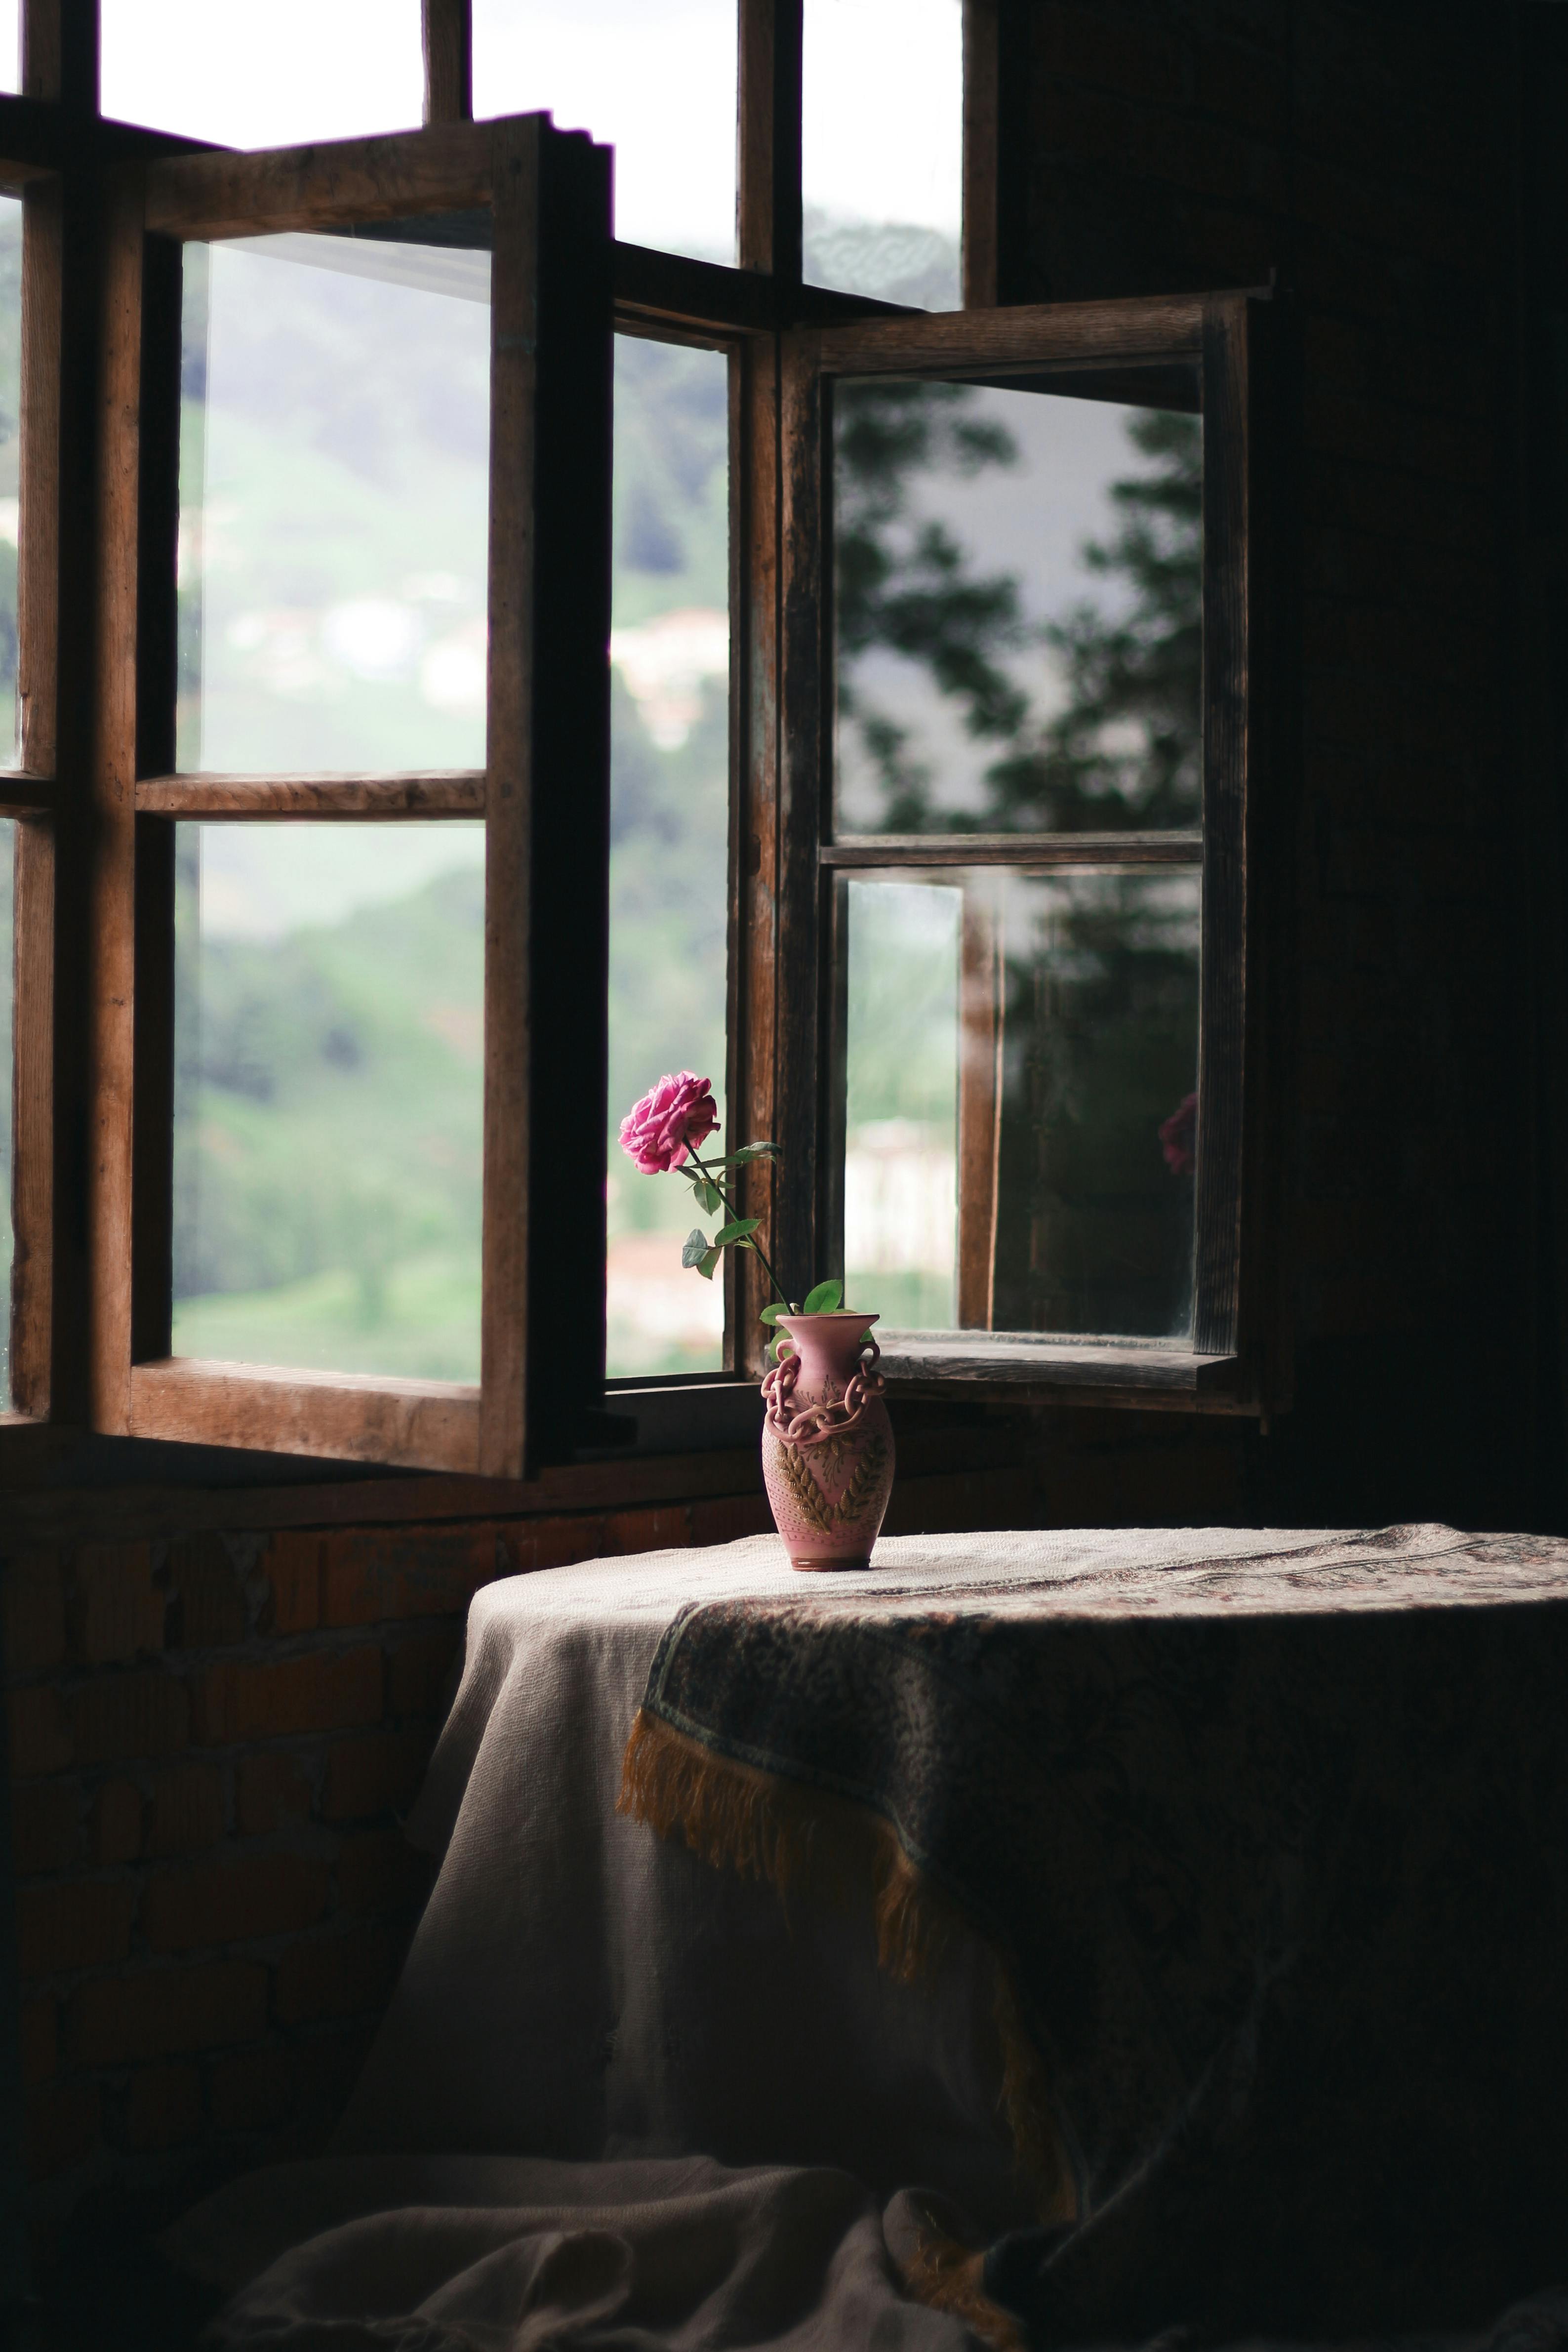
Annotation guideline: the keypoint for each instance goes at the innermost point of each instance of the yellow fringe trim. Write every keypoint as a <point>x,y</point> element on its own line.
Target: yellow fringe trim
<point>794,1837</point>
<point>948,2276</point>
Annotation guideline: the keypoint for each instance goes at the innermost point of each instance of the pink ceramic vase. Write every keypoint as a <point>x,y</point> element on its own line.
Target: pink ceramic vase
<point>826,1443</point>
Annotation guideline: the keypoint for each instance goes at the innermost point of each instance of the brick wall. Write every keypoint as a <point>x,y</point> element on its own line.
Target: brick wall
<point>213,1738</point>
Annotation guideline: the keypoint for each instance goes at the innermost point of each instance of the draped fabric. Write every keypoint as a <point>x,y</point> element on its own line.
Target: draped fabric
<point>1271,1852</point>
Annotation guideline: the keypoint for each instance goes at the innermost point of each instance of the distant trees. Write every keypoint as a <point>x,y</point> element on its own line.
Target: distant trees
<point>1125,752</point>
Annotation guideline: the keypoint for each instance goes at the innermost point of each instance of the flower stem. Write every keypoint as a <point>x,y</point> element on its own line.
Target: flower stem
<point>710,1176</point>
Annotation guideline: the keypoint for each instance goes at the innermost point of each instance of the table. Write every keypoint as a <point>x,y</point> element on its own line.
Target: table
<point>1237,1702</point>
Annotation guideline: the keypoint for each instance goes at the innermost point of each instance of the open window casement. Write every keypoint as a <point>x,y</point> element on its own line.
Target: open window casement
<point>352,762</point>
<point>1017,787</point>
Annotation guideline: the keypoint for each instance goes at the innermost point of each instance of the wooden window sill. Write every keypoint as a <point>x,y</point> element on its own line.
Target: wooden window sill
<point>1151,1373</point>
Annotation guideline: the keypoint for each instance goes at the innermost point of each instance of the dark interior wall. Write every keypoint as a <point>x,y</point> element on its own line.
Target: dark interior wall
<point>220,1702</point>
<point>1368,160</point>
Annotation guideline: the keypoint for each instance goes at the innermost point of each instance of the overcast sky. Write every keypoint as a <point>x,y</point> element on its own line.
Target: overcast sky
<point>657,77</point>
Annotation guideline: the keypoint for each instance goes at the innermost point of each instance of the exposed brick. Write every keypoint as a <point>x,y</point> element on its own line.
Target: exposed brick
<point>157,2012</point>
<point>378,1870</point>
<point>162,2108</point>
<point>229,1902</point>
<point>82,1923</point>
<point>270,1790</point>
<point>40,1733</point>
<point>209,1611</point>
<point>129,1715</point>
<point>527,1544</point>
<point>333,1976</point>
<point>723,1518</point>
<point>378,1574</point>
<point>116,1608</point>
<point>117,1822</point>
<point>62,2128</point>
<point>39,2039</point>
<point>293,1568</point>
<point>187,1809</point>
<point>323,1691</point>
<point>417,1672</point>
<point>34,1602</point>
<point>373,1775</point>
<point>663,1527</point>
<point>46,1827</point>
<point>252,2090</point>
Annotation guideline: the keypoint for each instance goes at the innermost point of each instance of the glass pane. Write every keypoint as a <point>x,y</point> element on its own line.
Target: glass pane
<point>273,77</point>
<point>1018,611</point>
<point>10,44</point>
<point>882,139</point>
<point>334,480</point>
<point>901,1110</point>
<point>659,83</point>
<point>328,1060</point>
<point>670,823</point>
<point>8,986</point>
<point>1045,1023</point>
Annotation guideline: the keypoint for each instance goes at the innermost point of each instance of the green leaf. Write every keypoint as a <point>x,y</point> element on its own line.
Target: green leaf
<point>772,1314</point>
<point>754,1151</point>
<point>711,1197</point>
<point>735,1230</point>
<point>696,1247</point>
<point>707,1264</point>
<point>824,1300</point>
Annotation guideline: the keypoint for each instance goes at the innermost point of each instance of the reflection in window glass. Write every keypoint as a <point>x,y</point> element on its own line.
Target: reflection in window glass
<point>1020,613</point>
<point>7,886</point>
<point>901,1109</point>
<point>333,504</point>
<point>329,1106</point>
<point>669,648</point>
<point>238,75</point>
<point>1060,1011</point>
<point>659,83</point>
<point>882,136</point>
<point>10,465</point>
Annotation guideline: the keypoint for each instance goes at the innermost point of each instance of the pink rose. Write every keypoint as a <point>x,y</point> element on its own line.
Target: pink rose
<point>1178,1137</point>
<point>677,1115</point>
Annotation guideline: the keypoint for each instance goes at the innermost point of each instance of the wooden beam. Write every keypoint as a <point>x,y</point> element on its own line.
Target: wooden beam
<point>334,184</point>
<point>59,51</point>
<point>981,178</point>
<point>508,830</point>
<point>1071,336</point>
<point>111,946</point>
<point>767,194</point>
<point>446,31</point>
<point>455,793</point>
<point>345,1417</point>
<point>956,850</point>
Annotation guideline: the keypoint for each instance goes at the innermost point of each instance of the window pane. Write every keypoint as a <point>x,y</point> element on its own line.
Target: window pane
<point>670,819</point>
<point>272,77</point>
<point>333,533</point>
<point>329,1058</point>
<point>10,44</point>
<point>7,987</point>
<point>901,1110</point>
<point>1018,611</point>
<point>10,466</point>
<point>658,82</point>
<point>1040,1029</point>
<point>882,136</point>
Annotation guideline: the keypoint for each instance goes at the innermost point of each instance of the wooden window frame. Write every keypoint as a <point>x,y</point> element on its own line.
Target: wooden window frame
<point>98,793</point>
<point>548,194</point>
<point>1216,337</point>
